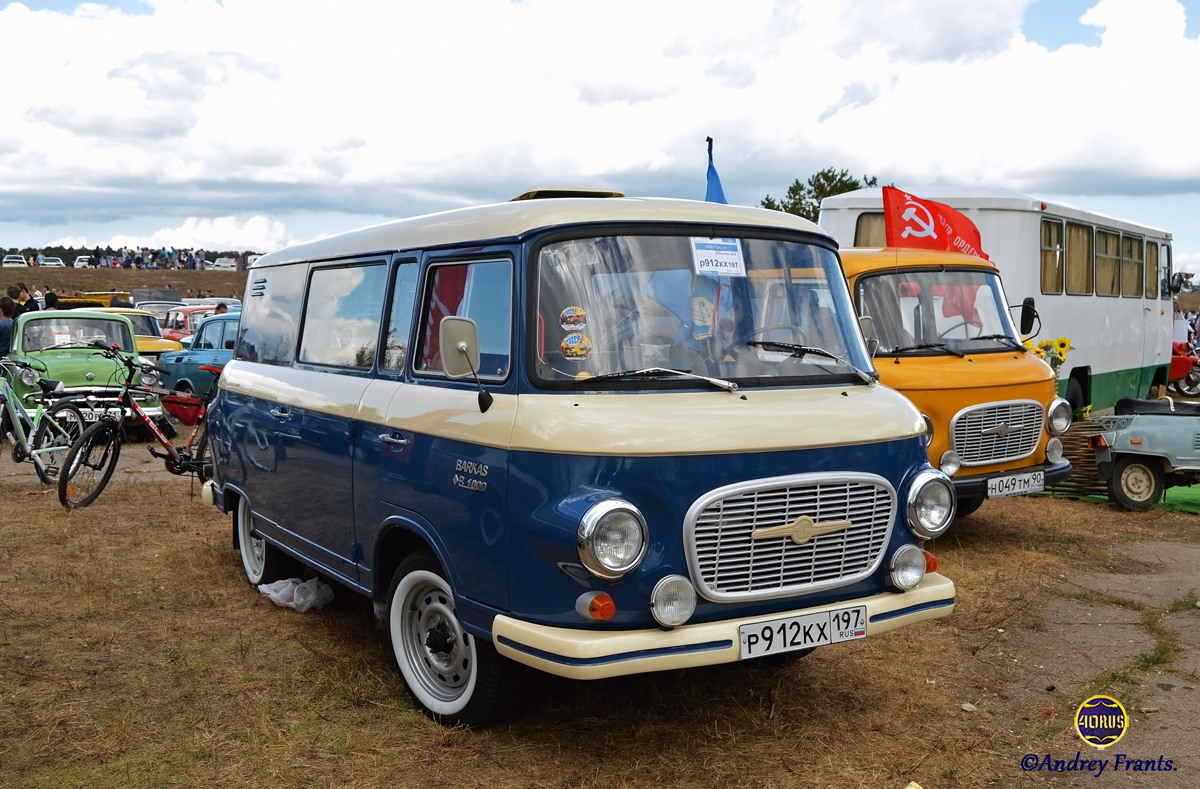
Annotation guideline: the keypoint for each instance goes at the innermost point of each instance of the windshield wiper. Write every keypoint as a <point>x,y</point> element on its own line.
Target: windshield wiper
<point>658,372</point>
<point>800,351</point>
<point>997,337</point>
<point>925,345</point>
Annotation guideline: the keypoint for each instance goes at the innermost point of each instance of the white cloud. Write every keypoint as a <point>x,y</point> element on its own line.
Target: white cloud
<point>221,233</point>
<point>214,109</point>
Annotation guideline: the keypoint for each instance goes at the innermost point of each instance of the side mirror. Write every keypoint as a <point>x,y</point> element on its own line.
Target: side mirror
<point>459,342</point>
<point>1176,282</point>
<point>1028,314</point>
<point>867,325</point>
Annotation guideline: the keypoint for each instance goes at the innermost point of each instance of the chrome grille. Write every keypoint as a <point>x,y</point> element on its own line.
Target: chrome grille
<point>728,564</point>
<point>997,432</point>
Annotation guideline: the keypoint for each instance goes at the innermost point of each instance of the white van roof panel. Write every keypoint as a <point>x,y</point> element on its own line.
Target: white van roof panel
<point>514,219</point>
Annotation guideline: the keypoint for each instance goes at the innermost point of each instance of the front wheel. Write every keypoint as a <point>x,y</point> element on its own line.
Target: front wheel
<point>61,426</point>
<point>967,505</point>
<point>453,677</point>
<point>1137,482</point>
<point>1189,385</point>
<point>263,562</point>
<point>89,464</point>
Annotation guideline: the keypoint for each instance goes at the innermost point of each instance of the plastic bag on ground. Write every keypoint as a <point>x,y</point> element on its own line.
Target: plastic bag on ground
<point>297,594</point>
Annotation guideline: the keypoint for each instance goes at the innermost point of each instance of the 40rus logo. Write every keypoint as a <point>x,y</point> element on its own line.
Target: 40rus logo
<point>1101,721</point>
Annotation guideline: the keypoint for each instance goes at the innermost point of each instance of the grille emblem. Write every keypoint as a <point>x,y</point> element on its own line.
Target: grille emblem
<point>90,376</point>
<point>1003,431</point>
<point>800,530</point>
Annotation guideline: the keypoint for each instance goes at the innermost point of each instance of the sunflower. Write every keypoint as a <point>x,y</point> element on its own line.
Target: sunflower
<point>1039,352</point>
<point>1062,345</point>
<point>1028,345</point>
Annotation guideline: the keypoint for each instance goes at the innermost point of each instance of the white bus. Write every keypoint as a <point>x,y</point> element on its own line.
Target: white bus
<point>1103,283</point>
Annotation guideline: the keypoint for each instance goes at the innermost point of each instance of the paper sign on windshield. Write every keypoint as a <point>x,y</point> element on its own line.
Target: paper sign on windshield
<point>718,257</point>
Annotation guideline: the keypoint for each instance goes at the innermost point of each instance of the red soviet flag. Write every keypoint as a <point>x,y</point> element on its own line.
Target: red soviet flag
<point>912,222</point>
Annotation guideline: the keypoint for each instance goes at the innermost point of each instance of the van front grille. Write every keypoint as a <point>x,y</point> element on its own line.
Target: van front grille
<point>732,559</point>
<point>997,432</point>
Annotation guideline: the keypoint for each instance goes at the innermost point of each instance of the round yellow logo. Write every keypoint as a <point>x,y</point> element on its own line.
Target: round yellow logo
<point>1101,721</point>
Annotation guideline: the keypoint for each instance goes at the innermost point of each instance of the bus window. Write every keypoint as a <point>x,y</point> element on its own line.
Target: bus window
<point>1052,256</point>
<point>1108,263</point>
<point>1079,259</point>
<point>1165,263</point>
<point>1132,263</point>
<point>1152,270</point>
<point>869,231</point>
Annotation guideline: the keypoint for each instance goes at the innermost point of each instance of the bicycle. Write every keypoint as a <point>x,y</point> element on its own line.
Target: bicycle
<point>46,435</point>
<point>92,458</point>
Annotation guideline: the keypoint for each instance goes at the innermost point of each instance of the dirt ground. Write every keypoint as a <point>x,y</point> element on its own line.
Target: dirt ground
<point>132,653</point>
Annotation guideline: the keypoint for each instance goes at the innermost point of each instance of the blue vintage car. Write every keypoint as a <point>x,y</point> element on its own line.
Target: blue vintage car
<point>1146,447</point>
<point>212,346</point>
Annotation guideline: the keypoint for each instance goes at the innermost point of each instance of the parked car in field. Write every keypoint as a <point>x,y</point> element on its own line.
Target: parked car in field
<point>53,263</point>
<point>212,346</point>
<point>181,322</point>
<point>224,264</point>
<point>13,261</point>
<point>147,333</point>
<point>60,343</point>
<point>1145,448</point>
<point>83,261</point>
<point>158,308</point>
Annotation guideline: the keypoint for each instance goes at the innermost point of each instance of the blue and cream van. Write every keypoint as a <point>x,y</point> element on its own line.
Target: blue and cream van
<point>595,436</point>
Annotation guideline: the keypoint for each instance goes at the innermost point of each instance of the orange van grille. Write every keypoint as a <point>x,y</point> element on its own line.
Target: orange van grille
<point>729,563</point>
<point>997,432</point>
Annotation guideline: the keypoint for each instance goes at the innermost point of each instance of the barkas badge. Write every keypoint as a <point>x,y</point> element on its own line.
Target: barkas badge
<point>576,347</point>
<point>573,318</point>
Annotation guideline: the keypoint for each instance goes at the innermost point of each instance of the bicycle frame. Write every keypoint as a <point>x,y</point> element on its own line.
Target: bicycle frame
<point>24,426</point>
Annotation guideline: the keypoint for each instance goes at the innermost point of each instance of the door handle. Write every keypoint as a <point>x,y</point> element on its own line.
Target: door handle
<point>394,440</point>
<point>281,413</point>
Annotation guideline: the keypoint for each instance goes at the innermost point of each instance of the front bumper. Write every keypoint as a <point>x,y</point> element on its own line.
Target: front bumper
<point>970,487</point>
<point>591,654</point>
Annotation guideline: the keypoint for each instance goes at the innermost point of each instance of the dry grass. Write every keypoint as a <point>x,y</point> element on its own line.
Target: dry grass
<point>222,283</point>
<point>133,654</point>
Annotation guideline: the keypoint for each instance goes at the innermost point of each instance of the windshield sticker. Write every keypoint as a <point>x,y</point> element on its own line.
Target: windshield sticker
<point>706,294</point>
<point>573,318</point>
<point>576,347</point>
<point>62,337</point>
<point>718,257</point>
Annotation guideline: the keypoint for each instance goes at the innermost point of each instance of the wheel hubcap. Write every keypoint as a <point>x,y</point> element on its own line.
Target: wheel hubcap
<point>436,647</point>
<point>1137,483</point>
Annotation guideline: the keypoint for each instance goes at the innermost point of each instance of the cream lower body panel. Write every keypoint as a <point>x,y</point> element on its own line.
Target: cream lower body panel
<point>590,654</point>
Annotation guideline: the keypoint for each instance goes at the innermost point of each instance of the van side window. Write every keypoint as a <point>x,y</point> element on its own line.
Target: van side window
<point>271,314</point>
<point>404,301</point>
<point>869,231</point>
<point>342,315</point>
<point>479,291</point>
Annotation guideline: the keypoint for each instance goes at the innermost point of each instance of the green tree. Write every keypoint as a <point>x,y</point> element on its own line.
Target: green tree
<point>804,199</point>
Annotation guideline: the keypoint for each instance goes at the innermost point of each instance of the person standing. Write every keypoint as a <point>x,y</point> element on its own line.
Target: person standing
<point>29,303</point>
<point>6,324</point>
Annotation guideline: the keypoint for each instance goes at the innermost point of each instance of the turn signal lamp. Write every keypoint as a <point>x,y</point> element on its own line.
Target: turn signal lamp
<point>931,563</point>
<point>1097,441</point>
<point>596,606</point>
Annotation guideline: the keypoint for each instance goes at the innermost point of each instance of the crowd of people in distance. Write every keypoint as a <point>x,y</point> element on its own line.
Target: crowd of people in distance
<point>17,301</point>
<point>143,258</point>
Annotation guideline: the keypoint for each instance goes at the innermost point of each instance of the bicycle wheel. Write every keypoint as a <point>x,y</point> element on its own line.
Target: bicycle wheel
<point>200,452</point>
<point>60,427</point>
<point>89,464</point>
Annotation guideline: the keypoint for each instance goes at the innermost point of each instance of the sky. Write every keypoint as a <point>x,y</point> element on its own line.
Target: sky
<point>253,124</point>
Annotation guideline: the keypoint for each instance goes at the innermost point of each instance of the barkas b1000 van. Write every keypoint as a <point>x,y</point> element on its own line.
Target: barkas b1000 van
<point>947,341</point>
<point>592,436</point>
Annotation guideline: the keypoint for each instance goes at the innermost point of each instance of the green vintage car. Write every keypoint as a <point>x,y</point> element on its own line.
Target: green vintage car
<point>60,344</point>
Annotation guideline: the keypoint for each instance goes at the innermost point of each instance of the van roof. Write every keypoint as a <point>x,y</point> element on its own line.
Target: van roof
<point>513,220</point>
<point>857,260</point>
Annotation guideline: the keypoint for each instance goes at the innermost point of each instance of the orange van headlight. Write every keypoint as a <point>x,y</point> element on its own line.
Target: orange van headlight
<point>1058,417</point>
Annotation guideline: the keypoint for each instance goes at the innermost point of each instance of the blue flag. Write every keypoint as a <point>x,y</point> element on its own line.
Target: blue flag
<point>715,193</point>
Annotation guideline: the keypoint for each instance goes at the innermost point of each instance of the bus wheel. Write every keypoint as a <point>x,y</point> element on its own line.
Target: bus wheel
<point>1136,483</point>
<point>967,505</point>
<point>1075,394</point>
<point>453,677</point>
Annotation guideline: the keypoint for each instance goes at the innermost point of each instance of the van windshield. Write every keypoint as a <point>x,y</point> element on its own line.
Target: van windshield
<point>936,312</point>
<point>737,309</point>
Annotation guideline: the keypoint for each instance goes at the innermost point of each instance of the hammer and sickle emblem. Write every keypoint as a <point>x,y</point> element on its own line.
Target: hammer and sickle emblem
<point>910,215</point>
<point>800,530</point>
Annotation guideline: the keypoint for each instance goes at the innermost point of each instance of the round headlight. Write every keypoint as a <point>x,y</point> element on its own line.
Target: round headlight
<point>1058,417</point>
<point>612,538</point>
<point>1054,450</point>
<point>908,566</point>
<point>928,430</point>
<point>673,601</point>
<point>950,463</point>
<point>29,376</point>
<point>148,377</point>
<point>930,504</point>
